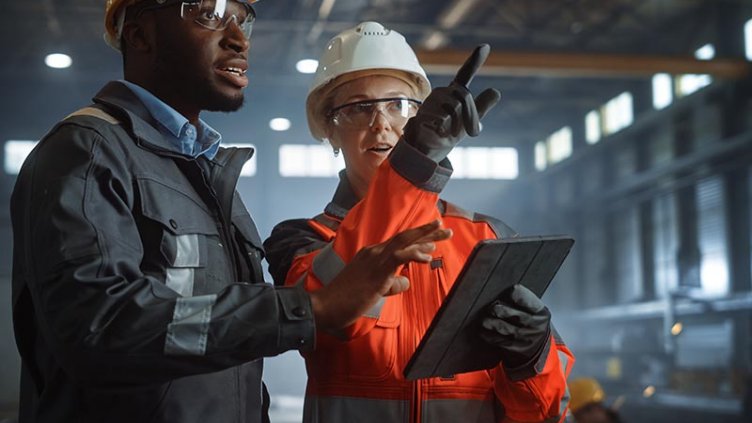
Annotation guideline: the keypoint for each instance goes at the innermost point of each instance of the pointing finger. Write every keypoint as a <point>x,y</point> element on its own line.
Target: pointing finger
<point>471,65</point>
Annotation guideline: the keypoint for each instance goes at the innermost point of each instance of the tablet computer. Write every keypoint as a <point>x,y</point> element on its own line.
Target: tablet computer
<point>451,344</point>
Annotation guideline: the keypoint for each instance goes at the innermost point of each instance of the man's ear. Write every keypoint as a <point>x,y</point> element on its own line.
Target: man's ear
<point>137,36</point>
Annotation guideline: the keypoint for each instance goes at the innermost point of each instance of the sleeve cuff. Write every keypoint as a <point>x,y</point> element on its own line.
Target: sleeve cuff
<point>297,328</point>
<point>533,367</point>
<point>419,169</point>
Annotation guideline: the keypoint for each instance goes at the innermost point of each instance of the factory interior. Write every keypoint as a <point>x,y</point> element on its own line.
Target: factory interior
<point>626,124</point>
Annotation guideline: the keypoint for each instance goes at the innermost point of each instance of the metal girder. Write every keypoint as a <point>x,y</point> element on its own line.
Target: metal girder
<point>447,61</point>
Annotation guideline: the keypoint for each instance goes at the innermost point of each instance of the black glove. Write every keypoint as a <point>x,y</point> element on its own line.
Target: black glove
<point>449,113</point>
<point>519,324</point>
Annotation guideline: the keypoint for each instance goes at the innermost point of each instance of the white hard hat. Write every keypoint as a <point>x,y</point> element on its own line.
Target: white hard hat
<point>367,49</point>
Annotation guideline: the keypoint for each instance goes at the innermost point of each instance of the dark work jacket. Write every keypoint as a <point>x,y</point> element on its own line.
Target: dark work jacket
<point>138,294</point>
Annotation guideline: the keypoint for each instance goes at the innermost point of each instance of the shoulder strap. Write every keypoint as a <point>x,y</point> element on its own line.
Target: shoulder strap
<point>94,112</point>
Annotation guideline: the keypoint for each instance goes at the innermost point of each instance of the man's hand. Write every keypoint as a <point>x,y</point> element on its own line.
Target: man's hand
<point>372,274</point>
<point>449,113</point>
<point>519,324</point>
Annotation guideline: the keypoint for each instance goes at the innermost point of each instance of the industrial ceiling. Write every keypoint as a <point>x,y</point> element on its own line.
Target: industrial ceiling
<point>554,60</point>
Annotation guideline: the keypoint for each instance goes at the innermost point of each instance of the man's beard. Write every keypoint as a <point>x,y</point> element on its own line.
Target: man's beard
<point>214,101</point>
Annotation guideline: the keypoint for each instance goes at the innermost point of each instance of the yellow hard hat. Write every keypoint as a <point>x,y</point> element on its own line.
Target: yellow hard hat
<point>114,15</point>
<point>113,20</point>
<point>583,391</point>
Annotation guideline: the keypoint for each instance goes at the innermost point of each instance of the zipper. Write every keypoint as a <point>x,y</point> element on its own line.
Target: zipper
<point>416,404</point>
<point>224,227</point>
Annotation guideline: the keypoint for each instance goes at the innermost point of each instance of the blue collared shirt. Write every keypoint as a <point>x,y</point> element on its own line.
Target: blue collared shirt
<point>181,134</point>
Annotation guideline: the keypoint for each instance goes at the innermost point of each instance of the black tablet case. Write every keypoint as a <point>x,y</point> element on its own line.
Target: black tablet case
<point>451,344</point>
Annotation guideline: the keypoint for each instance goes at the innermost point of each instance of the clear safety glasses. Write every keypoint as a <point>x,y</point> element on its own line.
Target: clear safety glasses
<point>215,15</point>
<point>362,114</point>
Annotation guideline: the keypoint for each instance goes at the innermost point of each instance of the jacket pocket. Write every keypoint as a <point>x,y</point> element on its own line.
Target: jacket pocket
<point>186,227</point>
<point>373,356</point>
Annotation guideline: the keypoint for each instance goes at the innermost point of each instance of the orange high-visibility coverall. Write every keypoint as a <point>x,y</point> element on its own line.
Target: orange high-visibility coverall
<point>357,376</point>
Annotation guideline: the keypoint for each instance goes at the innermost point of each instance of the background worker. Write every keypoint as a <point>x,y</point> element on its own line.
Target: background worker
<point>368,84</point>
<point>588,402</point>
<point>137,287</point>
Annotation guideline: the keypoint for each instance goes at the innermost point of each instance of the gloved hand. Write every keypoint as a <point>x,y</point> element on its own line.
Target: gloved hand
<point>519,324</point>
<point>449,113</point>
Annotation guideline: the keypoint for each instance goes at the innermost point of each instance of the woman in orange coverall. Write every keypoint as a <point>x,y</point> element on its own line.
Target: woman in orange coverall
<point>368,84</point>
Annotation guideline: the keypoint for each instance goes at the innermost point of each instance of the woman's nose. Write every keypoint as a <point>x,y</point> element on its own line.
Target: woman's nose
<point>379,120</point>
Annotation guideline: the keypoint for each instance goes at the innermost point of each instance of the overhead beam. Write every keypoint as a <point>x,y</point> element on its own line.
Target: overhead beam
<point>447,61</point>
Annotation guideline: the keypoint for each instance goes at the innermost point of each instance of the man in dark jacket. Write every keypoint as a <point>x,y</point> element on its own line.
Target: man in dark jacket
<point>138,293</point>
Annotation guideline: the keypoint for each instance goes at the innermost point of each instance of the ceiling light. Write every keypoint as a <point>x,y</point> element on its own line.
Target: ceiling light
<point>456,12</point>
<point>307,65</point>
<point>677,328</point>
<point>436,40</point>
<point>279,124</point>
<point>649,391</point>
<point>706,52</point>
<point>58,60</point>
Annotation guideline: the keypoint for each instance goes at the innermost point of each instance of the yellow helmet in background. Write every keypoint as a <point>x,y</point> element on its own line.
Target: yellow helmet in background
<point>114,16</point>
<point>367,49</point>
<point>583,391</point>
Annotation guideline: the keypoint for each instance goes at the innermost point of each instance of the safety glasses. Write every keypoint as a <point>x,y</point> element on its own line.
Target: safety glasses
<point>215,15</point>
<point>362,114</point>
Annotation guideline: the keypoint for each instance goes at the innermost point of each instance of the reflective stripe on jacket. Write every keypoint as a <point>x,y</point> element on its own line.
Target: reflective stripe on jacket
<point>357,376</point>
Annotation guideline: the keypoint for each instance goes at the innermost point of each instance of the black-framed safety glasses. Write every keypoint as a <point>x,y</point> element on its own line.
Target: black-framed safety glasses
<point>362,114</point>
<point>215,15</point>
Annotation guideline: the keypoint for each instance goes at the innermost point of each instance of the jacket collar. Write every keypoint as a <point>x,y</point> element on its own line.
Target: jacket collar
<point>115,95</point>
<point>344,198</point>
<point>138,120</point>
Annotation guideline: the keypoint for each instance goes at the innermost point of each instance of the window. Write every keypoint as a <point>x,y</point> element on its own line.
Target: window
<point>665,245</point>
<point>16,152</point>
<point>687,84</point>
<point>593,127</point>
<point>662,90</point>
<point>617,113</point>
<point>318,161</point>
<point>749,202</point>
<point>303,160</point>
<point>559,145</point>
<point>540,155</point>
<point>484,163</point>
<point>249,168</point>
<point>748,39</point>
<point>712,236</point>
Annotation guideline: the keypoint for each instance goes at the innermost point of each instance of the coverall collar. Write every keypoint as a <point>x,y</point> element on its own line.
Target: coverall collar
<point>344,198</point>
